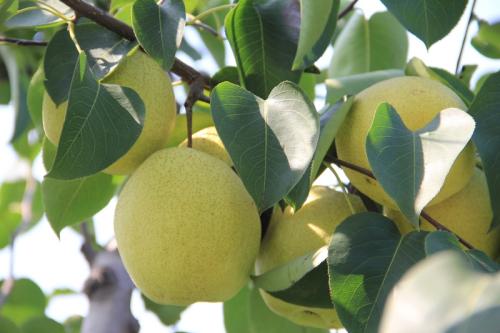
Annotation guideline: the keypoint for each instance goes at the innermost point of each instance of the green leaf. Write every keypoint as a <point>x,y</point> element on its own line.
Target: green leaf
<point>367,257</point>
<point>264,38</point>
<point>308,84</point>
<point>159,28</point>
<point>429,20</point>
<point>416,67</point>
<point>26,300</point>
<point>444,294</point>
<point>332,117</point>
<point>229,74</point>
<point>22,121</point>
<point>270,141</point>
<point>73,324</point>
<point>412,166</point>
<point>366,46</point>
<point>189,50</point>
<point>302,281</point>
<point>318,22</point>
<point>104,53</point>
<point>11,197</point>
<point>353,84</point>
<point>168,314</point>
<point>117,4</point>
<point>88,145</point>
<point>58,65</point>
<point>247,313</point>
<point>7,8</point>
<point>8,326</point>
<point>4,90</point>
<point>19,85</point>
<point>43,325</point>
<point>68,202</point>
<point>33,15</point>
<point>487,39</point>
<point>466,74</point>
<point>484,109</point>
<point>34,97</point>
<point>237,312</point>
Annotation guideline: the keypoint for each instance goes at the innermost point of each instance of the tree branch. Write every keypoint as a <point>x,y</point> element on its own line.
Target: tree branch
<point>87,247</point>
<point>22,42</point>
<point>103,18</point>
<point>347,9</point>
<point>188,74</point>
<point>109,290</point>
<point>426,216</point>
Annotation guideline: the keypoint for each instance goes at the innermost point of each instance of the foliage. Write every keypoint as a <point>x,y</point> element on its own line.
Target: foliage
<point>279,130</point>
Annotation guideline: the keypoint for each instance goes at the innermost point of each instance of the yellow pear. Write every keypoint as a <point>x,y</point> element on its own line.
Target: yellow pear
<point>417,101</point>
<point>294,234</point>
<point>142,74</point>
<point>467,213</point>
<point>186,228</point>
<point>208,141</point>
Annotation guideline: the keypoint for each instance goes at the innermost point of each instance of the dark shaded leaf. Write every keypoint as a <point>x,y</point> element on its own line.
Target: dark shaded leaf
<point>159,28</point>
<point>484,109</point>
<point>429,20</point>
<point>318,22</point>
<point>87,144</point>
<point>264,38</point>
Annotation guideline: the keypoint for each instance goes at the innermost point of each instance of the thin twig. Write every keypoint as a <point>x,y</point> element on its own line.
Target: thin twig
<point>347,9</point>
<point>426,216</point>
<point>352,166</point>
<point>462,47</point>
<point>22,42</point>
<point>196,80</point>
<point>213,10</point>
<point>202,26</point>
<point>345,192</point>
<point>439,226</point>
<point>103,18</point>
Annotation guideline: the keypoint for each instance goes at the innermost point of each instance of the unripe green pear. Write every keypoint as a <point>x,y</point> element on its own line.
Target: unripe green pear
<point>142,74</point>
<point>467,213</point>
<point>208,141</point>
<point>417,101</point>
<point>294,234</point>
<point>186,228</point>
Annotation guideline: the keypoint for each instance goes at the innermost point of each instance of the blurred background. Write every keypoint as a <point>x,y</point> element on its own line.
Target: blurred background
<point>57,263</point>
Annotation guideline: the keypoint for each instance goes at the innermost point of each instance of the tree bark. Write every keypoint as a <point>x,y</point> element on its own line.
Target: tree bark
<point>109,289</point>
